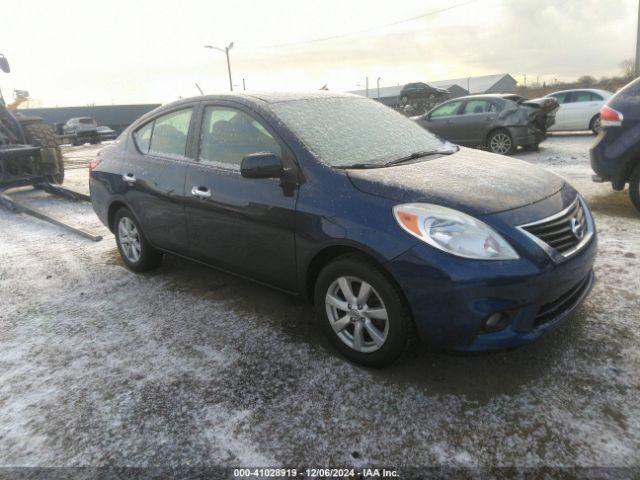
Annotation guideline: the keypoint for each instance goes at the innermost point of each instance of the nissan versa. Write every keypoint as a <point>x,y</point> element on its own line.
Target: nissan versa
<point>389,230</point>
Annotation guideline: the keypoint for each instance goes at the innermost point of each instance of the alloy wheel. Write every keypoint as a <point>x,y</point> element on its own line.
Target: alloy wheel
<point>129,239</point>
<point>357,314</point>
<point>500,143</point>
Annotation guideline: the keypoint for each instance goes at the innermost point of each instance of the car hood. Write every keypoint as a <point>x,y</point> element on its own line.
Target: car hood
<point>472,181</point>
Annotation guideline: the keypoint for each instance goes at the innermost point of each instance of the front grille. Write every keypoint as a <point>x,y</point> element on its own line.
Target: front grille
<point>564,303</point>
<point>563,232</point>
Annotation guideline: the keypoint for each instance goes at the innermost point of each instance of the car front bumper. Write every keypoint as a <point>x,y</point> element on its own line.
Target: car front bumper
<point>450,309</point>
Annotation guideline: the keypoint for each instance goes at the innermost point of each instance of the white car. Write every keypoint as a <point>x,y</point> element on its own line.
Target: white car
<point>579,109</point>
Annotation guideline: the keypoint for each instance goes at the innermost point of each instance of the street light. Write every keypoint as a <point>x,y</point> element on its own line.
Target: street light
<point>226,51</point>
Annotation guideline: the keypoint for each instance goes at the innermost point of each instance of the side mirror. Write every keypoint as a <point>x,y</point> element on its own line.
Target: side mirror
<point>261,165</point>
<point>4,64</point>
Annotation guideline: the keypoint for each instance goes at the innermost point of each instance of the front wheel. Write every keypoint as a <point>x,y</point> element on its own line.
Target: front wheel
<point>634,187</point>
<point>362,312</point>
<point>501,142</point>
<point>134,248</point>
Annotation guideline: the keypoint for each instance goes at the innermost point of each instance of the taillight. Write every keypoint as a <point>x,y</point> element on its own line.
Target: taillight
<point>610,117</point>
<point>94,163</point>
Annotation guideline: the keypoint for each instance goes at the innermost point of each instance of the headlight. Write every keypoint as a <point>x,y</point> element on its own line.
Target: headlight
<point>453,232</point>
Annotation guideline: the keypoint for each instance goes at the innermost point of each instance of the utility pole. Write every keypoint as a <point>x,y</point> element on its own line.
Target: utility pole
<point>226,51</point>
<point>637,66</point>
<point>244,87</point>
<point>378,85</point>
<point>367,85</point>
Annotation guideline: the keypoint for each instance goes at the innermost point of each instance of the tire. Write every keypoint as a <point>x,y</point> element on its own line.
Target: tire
<point>395,334</point>
<point>594,124</point>
<point>634,187</point>
<point>39,133</point>
<point>501,142</point>
<point>147,258</point>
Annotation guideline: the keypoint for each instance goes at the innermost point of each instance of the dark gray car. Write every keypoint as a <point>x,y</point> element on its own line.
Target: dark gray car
<point>500,123</point>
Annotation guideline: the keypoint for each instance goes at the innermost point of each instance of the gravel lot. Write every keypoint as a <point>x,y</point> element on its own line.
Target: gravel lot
<point>189,366</point>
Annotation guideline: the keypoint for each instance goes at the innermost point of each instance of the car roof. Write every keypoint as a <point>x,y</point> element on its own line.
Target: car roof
<point>487,96</point>
<point>267,97</point>
<point>594,90</point>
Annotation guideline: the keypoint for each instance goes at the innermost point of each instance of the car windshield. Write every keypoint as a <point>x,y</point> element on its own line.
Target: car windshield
<point>345,131</point>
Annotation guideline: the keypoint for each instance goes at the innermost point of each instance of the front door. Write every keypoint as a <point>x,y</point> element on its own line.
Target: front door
<point>243,225</point>
<point>441,121</point>
<point>154,172</point>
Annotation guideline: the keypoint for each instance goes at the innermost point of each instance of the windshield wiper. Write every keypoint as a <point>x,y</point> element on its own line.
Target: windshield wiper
<point>416,155</point>
<point>356,166</point>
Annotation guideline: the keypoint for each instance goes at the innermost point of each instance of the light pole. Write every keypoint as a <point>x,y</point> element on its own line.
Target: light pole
<point>378,85</point>
<point>226,51</point>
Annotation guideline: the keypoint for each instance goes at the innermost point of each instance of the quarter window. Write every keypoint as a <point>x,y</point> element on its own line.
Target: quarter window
<point>446,110</point>
<point>228,135</point>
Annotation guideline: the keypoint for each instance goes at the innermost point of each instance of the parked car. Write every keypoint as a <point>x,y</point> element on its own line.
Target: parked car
<point>418,97</point>
<point>388,229</point>
<point>615,156</point>
<point>106,133</point>
<point>498,122</point>
<point>81,130</point>
<point>579,109</point>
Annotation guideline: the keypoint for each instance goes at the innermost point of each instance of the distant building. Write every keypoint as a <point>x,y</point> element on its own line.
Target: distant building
<point>457,87</point>
<point>117,117</point>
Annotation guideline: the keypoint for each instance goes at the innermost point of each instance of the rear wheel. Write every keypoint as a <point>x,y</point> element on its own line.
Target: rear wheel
<point>501,142</point>
<point>634,187</point>
<point>362,312</point>
<point>134,248</point>
<point>594,125</point>
<point>39,133</point>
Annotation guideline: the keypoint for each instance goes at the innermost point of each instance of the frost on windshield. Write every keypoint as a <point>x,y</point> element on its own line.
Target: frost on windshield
<point>344,131</point>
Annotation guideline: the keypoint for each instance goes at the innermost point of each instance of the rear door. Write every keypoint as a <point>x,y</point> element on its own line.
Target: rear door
<point>243,225</point>
<point>473,121</point>
<point>154,172</point>
<point>441,121</point>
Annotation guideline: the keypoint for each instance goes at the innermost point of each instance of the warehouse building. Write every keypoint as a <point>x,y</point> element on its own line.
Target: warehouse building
<point>117,117</point>
<point>457,87</point>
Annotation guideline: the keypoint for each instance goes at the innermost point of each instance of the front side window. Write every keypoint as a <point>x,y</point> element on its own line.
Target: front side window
<point>343,131</point>
<point>446,110</point>
<point>478,106</point>
<point>228,135</point>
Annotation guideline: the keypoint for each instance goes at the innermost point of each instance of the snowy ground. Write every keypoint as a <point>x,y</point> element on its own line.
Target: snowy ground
<point>189,366</point>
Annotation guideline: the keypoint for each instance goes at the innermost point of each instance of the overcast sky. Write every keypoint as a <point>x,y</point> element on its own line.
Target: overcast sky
<point>152,51</point>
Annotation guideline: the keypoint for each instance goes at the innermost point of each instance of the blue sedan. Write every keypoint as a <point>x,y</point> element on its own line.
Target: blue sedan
<point>393,233</point>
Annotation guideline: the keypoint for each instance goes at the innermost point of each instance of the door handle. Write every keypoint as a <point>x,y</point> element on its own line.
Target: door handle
<point>201,192</point>
<point>129,178</point>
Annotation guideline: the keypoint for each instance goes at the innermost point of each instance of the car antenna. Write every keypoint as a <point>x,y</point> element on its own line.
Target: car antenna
<point>198,87</point>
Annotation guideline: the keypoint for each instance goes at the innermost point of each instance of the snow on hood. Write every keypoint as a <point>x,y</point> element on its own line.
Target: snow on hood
<point>475,182</point>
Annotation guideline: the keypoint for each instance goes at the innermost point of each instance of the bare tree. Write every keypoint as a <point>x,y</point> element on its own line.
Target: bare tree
<point>587,80</point>
<point>628,68</point>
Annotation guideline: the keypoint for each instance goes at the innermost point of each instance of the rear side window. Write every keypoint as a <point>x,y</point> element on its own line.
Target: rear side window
<point>142,136</point>
<point>228,135</point>
<point>166,136</point>
<point>478,106</point>
<point>595,97</point>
